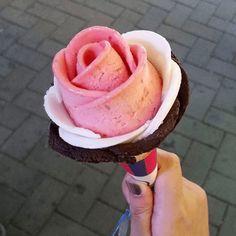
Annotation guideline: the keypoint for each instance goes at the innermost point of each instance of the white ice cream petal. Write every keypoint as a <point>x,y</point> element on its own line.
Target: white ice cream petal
<point>159,54</point>
<point>158,51</point>
<point>79,141</point>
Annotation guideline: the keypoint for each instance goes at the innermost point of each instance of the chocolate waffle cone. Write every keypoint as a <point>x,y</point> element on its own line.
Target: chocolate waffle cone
<point>126,152</point>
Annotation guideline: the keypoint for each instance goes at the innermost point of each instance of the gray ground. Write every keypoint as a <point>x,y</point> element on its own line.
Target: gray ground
<point>44,194</point>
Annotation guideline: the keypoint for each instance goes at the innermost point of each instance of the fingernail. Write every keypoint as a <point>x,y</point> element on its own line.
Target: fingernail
<point>134,188</point>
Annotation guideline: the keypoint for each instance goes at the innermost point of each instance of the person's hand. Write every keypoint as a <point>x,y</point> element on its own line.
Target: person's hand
<point>177,207</point>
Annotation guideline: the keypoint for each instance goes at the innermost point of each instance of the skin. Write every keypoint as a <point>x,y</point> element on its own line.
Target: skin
<point>177,207</point>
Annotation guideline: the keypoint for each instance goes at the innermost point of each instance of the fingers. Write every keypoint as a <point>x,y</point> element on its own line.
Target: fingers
<point>169,177</point>
<point>140,199</point>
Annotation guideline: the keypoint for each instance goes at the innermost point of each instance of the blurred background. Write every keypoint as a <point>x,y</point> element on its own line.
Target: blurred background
<point>44,194</point>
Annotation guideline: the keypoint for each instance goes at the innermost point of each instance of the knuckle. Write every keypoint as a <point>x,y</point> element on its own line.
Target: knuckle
<point>138,212</point>
<point>201,195</point>
<point>175,159</point>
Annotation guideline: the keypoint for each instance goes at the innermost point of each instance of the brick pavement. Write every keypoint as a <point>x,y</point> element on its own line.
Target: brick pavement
<point>42,193</point>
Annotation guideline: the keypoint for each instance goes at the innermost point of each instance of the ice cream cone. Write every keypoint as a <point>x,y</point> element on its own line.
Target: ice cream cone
<point>135,150</point>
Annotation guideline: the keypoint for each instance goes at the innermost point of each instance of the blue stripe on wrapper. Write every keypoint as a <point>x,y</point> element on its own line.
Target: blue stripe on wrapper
<point>138,168</point>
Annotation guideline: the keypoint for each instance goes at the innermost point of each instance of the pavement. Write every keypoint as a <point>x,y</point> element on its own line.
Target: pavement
<point>44,194</point>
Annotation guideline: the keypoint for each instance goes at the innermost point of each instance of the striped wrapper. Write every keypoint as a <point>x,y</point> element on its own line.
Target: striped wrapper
<point>145,169</point>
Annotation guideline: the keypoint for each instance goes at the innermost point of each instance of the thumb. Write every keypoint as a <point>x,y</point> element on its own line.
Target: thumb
<point>140,199</point>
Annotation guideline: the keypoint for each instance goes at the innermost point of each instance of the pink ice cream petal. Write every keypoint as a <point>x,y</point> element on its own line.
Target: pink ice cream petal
<point>72,96</point>
<point>128,106</point>
<point>102,73</point>
<point>93,35</point>
<point>87,54</point>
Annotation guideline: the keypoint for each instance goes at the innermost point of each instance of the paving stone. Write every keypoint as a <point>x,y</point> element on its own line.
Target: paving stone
<point>4,134</point>
<point>177,144</point>
<point>229,227</point>
<point>216,2</point>
<point>37,34</point>
<point>18,177</point>
<point>198,162</point>
<point>226,9</point>
<point>76,9</point>
<point>222,120</point>
<point>107,168</point>
<point>72,8</point>
<point>6,66</point>
<point>178,15</point>
<point>201,30</point>
<point>191,3</point>
<point>226,96</point>
<point>222,67</point>
<point>131,16</point>
<point>199,131</point>
<point>10,202</point>
<point>22,4</point>
<point>234,60</point>
<point>226,48</point>
<point>50,47</point>
<point>100,19</point>
<point>216,210</point>
<point>8,34</point>
<point>32,102</point>
<point>176,35</point>
<point>25,137</point>
<point>231,28</point>
<point>43,80</point>
<point>61,226</point>
<point>38,208</point>
<point>213,230</point>
<point>99,217</point>
<point>48,13</point>
<point>3,3</point>
<point>196,108</point>
<point>221,187</point>
<point>167,4</point>
<point>201,52</point>
<point>15,82</point>
<point>18,17</point>
<point>5,41</point>
<point>12,230</point>
<point>203,12</point>
<point>179,50</point>
<point>202,76</point>
<point>27,57</point>
<point>2,104</point>
<point>225,162</point>
<point>50,162</point>
<point>218,23</point>
<point>136,5</point>
<point>11,29</point>
<point>122,25</point>
<point>104,6</point>
<point>88,185</point>
<point>112,192</point>
<point>68,29</point>
<point>12,116</point>
<point>152,19</point>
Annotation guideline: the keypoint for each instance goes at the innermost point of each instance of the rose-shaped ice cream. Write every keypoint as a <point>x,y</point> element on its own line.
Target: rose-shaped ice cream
<point>87,53</point>
<point>106,85</point>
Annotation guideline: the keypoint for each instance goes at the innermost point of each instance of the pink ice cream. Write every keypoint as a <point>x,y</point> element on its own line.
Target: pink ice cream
<point>107,86</point>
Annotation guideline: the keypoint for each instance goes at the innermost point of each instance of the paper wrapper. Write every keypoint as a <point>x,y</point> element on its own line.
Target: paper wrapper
<point>145,169</point>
